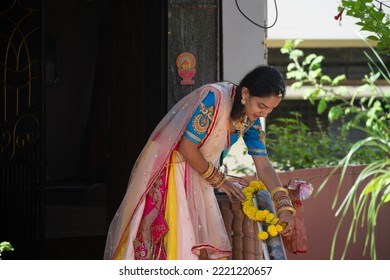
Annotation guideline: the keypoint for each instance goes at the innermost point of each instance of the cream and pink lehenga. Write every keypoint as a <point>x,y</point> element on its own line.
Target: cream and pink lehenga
<point>169,211</point>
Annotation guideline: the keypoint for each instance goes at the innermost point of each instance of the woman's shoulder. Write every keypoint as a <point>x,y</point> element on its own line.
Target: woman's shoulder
<point>222,86</point>
<point>220,89</point>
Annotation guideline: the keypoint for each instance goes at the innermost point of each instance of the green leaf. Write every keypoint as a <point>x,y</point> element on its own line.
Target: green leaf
<point>308,59</point>
<point>321,106</point>
<point>297,85</point>
<point>316,63</point>
<point>307,92</point>
<point>315,73</point>
<point>325,79</point>
<point>295,54</point>
<point>300,75</point>
<point>284,50</point>
<point>338,79</point>
<point>297,42</point>
<point>372,99</point>
<point>288,45</point>
<point>291,66</point>
<point>5,246</point>
<point>334,113</point>
<point>386,194</point>
<point>378,182</point>
<point>372,37</point>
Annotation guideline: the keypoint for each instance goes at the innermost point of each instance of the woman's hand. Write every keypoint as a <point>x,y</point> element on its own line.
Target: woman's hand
<point>233,191</point>
<point>287,218</point>
<point>268,175</point>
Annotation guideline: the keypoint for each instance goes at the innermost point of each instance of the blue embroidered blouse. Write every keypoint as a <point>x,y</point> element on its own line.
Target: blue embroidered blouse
<point>202,118</point>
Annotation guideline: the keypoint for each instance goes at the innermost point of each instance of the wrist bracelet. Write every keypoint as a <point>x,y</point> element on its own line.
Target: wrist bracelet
<point>288,208</point>
<point>220,183</point>
<point>280,189</point>
<point>283,203</point>
<point>209,171</point>
<point>281,197</point>
<point>216,179</point>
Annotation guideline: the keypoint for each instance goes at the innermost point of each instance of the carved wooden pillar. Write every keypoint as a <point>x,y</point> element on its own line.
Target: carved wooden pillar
<point>238,234</point>
<point>227,215</point>
<point>250,240</point>
<point>258,245</point>
<point>241,230</point>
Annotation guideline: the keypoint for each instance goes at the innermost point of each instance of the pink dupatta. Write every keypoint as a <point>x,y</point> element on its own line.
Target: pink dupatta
<point>202,226</point>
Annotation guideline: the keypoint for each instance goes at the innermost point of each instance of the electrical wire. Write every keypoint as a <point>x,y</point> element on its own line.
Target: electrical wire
<point>258,25</point>
<point>382,3</point>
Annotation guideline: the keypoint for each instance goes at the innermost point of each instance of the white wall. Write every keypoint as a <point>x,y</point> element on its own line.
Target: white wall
<point>310,19</point>
<point>243,42</point>
<point>243,49</point>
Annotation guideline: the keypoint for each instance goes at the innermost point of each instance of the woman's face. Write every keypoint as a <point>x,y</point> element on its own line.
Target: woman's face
<point>256,107</point>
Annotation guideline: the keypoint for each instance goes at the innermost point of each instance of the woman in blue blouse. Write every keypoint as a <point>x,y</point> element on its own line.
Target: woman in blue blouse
<point>170,210</point>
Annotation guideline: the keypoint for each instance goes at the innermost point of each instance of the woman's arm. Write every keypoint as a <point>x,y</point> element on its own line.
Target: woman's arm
<point>194,157</point>
<point>267,174</point>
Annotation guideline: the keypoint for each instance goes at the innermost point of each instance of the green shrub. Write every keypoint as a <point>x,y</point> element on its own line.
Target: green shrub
<point>369,115</point>
<point>293,145</point>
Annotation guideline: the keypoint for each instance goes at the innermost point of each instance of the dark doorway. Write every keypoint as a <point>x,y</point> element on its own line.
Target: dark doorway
<point>98,115</point>
<point>21,128</point>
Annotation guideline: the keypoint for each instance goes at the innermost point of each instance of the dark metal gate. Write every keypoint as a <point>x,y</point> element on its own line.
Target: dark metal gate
<point>21,128</point>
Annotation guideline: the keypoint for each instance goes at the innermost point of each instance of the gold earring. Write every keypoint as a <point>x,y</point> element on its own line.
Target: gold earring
<point>243,101</point>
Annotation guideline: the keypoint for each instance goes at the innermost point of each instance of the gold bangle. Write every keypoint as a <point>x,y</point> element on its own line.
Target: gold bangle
<point>281,197</point>
<point>220,183</point>
<point>283,202</point>
<point>288,208</point>
<point>216,179</point>
<point>209,171</point>
<point>280,189</point>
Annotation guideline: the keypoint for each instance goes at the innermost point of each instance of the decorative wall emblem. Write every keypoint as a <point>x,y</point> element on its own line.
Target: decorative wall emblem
<point>185,63</point>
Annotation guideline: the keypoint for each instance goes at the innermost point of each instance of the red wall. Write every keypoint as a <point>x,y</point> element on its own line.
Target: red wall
<point>321,222</point>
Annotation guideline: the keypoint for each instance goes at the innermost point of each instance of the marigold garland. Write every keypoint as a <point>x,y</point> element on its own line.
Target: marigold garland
<point>258,215</point>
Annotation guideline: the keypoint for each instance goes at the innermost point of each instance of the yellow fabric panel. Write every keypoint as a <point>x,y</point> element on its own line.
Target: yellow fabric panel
<point>122,247</point>
<point>170,239</point>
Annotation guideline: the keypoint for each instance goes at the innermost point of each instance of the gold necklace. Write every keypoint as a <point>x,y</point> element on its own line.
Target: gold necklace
<point>242,126</point>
